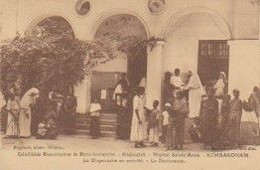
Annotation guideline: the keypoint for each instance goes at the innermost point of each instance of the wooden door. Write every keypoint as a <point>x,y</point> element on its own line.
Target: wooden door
<point>213,57</point>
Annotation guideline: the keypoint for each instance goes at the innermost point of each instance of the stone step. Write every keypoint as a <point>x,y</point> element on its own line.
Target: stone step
<point>113,117</point>
<point>103,127</point>
<point>102,133</point>
<point>107,124</point>
<point>106,115</point>
<point>102,121</point>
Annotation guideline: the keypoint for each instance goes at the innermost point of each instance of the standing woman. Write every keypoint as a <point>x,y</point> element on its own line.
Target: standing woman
<point>196,91</point>
<point>209,118</point>
<point>167,87</point>
<point>13,108</point>
<point>221,88</point>
<point>138,121</point>
<point>70,111</point>
<point>235,119</point>
<point>254,101</point>
<point>28,100</point>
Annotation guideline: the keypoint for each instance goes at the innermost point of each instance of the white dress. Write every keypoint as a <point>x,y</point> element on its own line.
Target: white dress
<point>219,86</point>
<point>25,113</point>
<point>138,130</point>
<point>195,92</point>
<point>25,122</point>
<point>12,124</point>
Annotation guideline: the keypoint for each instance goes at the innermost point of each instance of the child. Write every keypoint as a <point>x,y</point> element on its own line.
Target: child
<point>153,124</point>
<point>235,118</point>
<point>181,109</point>
<point>95,109</point>
<point>165,121</point>
<point>170,129</point>
<point>194,131</point>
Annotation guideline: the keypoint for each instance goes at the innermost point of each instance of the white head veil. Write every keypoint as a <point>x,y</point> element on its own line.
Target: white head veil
<point>195,79</point>
<point>28,97</point>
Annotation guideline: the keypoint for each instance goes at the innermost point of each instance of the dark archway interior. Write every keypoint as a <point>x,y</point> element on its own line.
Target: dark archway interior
<point>57,25</point>
<point>127,30</point>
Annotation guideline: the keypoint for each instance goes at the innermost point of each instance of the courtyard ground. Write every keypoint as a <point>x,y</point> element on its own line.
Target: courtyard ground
<point>93,149</point>
<point>78,142</point>
<point>86,142</point>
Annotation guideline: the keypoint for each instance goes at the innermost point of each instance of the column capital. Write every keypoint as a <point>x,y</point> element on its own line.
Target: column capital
<point>155,42</point>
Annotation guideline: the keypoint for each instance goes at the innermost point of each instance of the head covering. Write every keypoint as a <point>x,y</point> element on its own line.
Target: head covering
<point>59,96</point>
<point>223,73</point>
<point>195,79</point>
<point>224,76</point>
<point>143,82</point>
<point>168,105</point>
<point>28,97</point>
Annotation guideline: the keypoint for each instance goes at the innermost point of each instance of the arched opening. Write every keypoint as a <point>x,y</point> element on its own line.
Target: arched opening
<point>122,32</point>
<point>58,29</point>
<point>55,25</point>
<point>196,41</point>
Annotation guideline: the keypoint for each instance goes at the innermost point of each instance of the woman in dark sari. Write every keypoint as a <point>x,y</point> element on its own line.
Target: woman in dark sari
<point>70,111</point>
<point>224,123</point>
<point>167,88</point>
<point>209,118</point>
<point>235,119</point>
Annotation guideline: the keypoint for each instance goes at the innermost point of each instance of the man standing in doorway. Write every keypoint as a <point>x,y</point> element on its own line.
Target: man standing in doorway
<point>176,81</point>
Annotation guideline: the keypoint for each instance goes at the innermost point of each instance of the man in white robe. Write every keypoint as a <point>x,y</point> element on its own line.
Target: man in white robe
<point>176,81</point>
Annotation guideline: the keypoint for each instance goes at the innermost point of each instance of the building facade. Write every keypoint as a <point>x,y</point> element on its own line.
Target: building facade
<point>182,30</point>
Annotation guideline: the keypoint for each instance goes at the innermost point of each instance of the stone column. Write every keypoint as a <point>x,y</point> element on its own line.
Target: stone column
<point>82,93</point>
<point>154,73</point>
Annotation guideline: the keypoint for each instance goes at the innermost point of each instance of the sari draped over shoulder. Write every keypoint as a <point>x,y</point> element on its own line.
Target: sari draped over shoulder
<point>209,120</point>
<point>25,114</point>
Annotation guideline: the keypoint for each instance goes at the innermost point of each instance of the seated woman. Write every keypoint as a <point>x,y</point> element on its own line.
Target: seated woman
<point>52,130</point>
<point>47,129</point>
<point>42,129</point>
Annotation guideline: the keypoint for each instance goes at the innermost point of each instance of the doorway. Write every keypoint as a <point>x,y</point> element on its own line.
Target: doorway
<point>137,68</point>
<point>213,57</point>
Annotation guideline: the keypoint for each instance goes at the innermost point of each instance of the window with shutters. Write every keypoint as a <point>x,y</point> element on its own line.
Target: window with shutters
<point>213,57</point>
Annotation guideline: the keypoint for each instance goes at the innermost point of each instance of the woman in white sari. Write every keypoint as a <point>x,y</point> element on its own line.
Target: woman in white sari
<point>13,108</point>
<point>196,91</point>
<point>138,128</point>
<point>27,101</point>
<point>220,86</point>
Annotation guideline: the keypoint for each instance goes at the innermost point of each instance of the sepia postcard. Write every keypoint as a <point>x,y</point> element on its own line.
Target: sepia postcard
<point>129,84</point>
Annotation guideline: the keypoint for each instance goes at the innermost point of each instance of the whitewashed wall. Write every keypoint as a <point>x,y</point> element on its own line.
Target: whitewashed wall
<point>244,66</point>
<point>236,16</point>
<point>181,48</point>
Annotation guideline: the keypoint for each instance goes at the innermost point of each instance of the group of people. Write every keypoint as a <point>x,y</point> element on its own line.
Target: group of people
<point>215,117</point>
<point>16,114</point>
<point>20,117</point>
<point>166,126</point>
